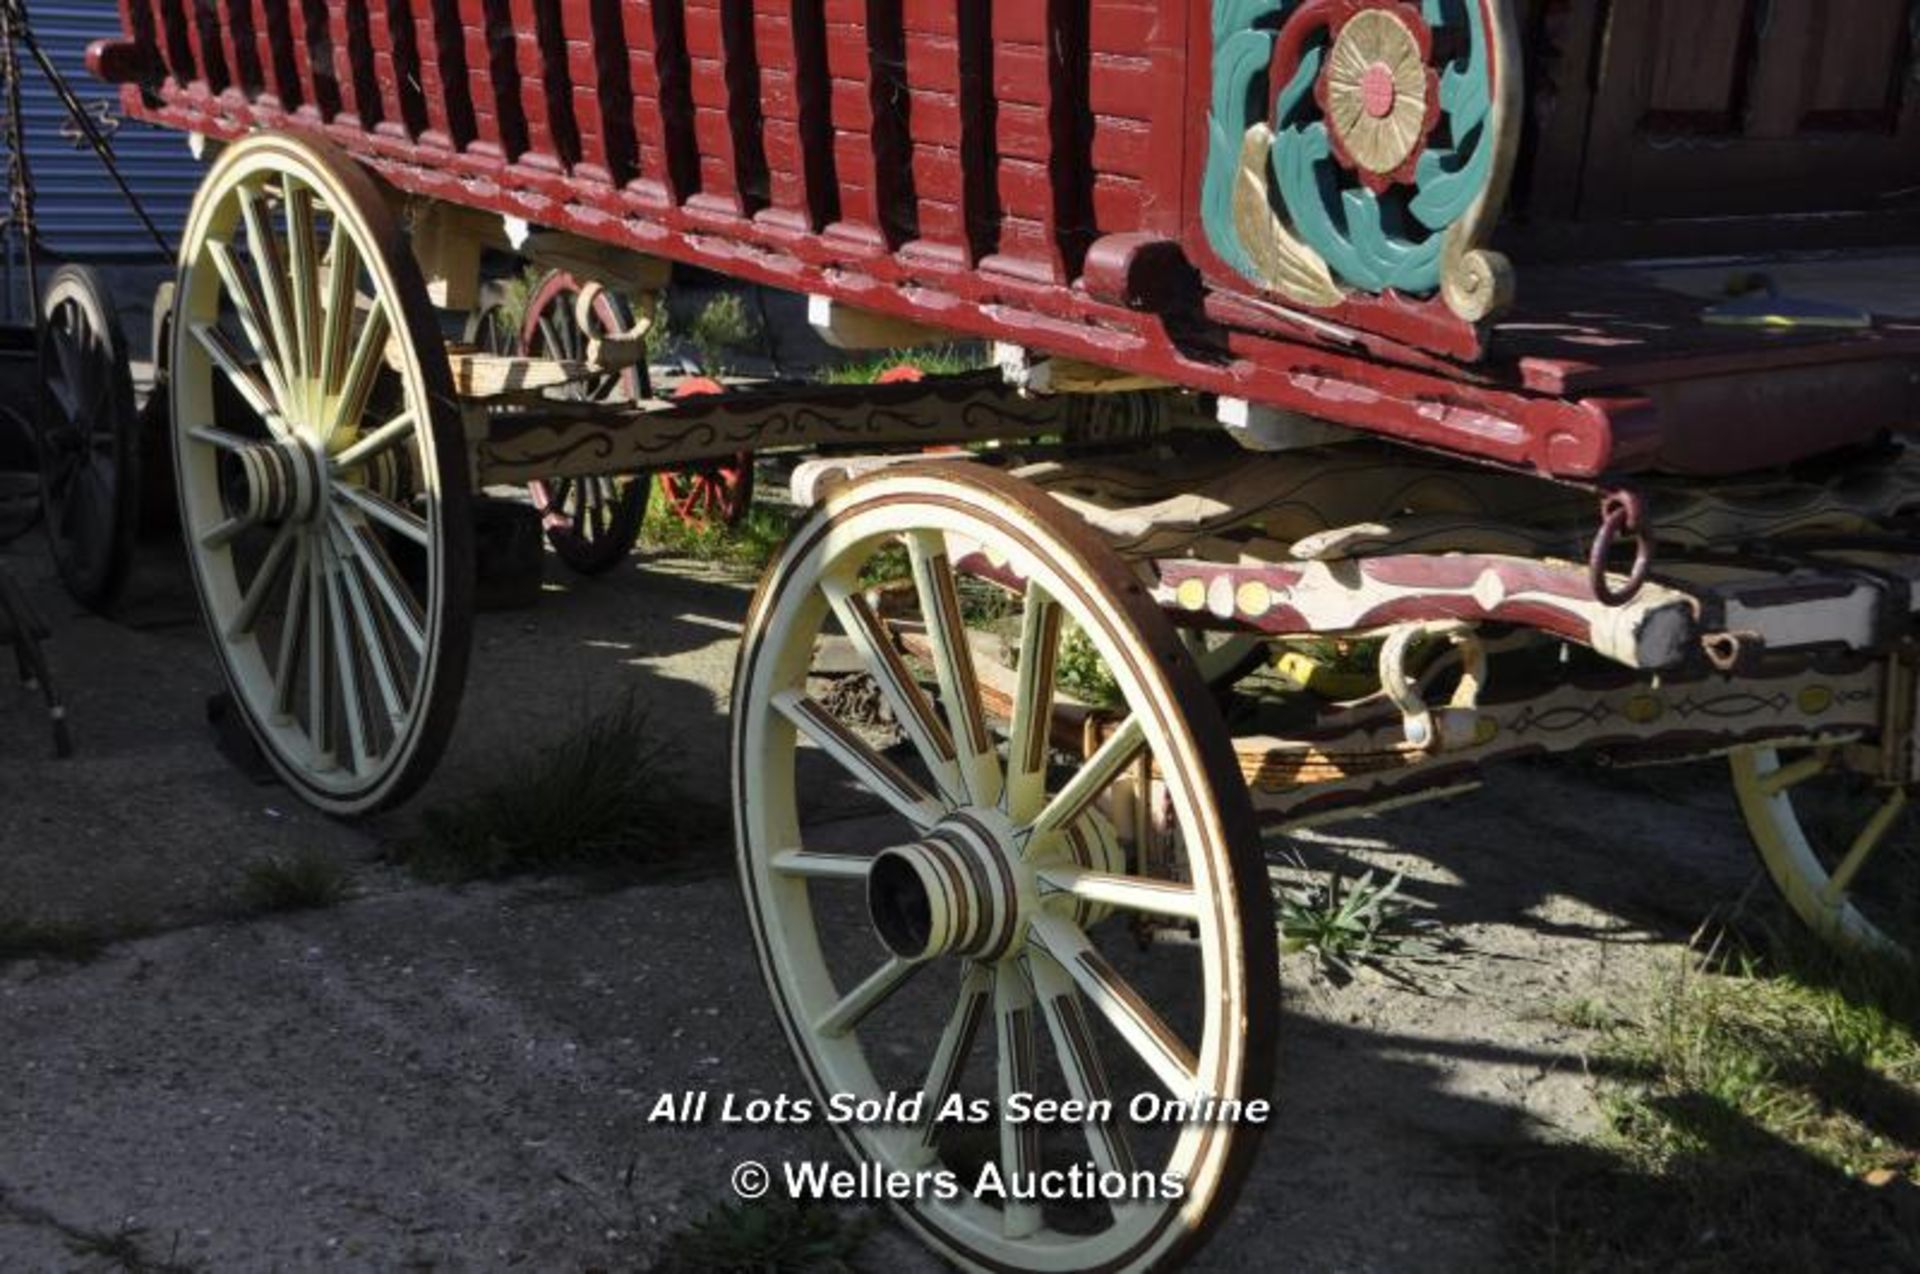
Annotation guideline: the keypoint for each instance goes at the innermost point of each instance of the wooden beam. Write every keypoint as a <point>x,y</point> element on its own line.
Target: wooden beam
<point>844,327</point>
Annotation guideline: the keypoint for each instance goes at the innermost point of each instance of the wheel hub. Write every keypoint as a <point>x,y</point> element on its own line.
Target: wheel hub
<point>964,889</point>
<point>283,481</point>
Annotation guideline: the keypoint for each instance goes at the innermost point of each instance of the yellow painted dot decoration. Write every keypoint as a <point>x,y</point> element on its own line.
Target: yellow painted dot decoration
<point>1645,709</point>
<point>1815,700</point>
<point>1192,594</point>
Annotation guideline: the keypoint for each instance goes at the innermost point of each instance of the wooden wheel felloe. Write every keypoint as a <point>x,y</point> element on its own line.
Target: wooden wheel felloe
<point>90,471</point>
<point>715,494</point>
<point>322,472</point>
<point>593,522</point>
<point>1009,888</point>
<point>1842,848</point>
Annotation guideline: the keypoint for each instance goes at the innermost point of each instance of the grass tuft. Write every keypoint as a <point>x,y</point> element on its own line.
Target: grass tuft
<point>1764,1113</point>
<point>304,881</point>
<point>608,795</point>
<point>775,1237</point>
<point>25,938</point>
<point>1348,924</point>
<point>748,546</point>
<point>941,360</point>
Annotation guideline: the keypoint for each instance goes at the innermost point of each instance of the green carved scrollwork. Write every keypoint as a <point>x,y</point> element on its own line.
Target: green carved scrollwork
<point>1400,200</point>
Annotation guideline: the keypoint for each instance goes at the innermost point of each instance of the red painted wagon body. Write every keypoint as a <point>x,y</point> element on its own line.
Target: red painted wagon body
<point>1076,178</point>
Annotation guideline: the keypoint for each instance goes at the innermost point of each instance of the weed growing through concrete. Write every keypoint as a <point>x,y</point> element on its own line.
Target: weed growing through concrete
<point>302,881</point>
<point>773,1237</point>
<point>609,795</point>
<point>1348,924</point>
<point>1764,1113</point>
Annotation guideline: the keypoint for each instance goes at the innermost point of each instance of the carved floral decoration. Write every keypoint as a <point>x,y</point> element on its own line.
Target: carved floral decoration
<point>1362,147</point>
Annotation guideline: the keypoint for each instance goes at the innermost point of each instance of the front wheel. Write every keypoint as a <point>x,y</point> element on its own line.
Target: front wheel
<point>1035,939</point>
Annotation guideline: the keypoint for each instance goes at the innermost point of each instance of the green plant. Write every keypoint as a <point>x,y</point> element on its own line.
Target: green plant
<point>723,327</point>
<point>299,882</point>
<point>1350,923</point>
<point>938,360</point>
<point>1082,673</point>
<point>770,1237</point>
<point>608,795</point>
<point>750,544</point>
<point>1763,1107</point>
<point>21,938</point>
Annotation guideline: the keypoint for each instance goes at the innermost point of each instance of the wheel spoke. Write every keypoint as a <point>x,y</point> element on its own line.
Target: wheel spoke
<point>1019,1072</point>
<point>1031,730</point>
<point>1144,1031</point>
<point>353,717</point>
<point>395,431</point>
<point>1795,773</point>
<point>387,513</point>
<point>319,705</point>
<point>262,583</point>
<point>221,349</point>
<point>1128,893</point>
<point>1871,837</point>
<point>953,664</point>
<point>808,865</point>
<point>343,275</point>
<point>291,629</point>
<point>872,992</point>
<point>303,253</point>
<point>271,268</point>
<point>1093,778</point>
<point>224,533</point>
<point>950,1056</point>
<point>402,607</point>
<point>369,356</point>
<point>873,771</point>
<point>382,658</point>
<point>1079,1054</point>
<point>223,439</point>
<point>248,304</point>
<point>905,699</point>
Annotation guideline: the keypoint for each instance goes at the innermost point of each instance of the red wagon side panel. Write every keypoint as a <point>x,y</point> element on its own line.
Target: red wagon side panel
<point>1055,173</point>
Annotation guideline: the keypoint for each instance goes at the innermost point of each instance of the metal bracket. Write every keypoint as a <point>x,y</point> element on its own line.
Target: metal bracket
<point>1456,726</point>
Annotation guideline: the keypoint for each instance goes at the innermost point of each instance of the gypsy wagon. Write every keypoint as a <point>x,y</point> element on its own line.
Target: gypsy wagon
<point>1555,356</point>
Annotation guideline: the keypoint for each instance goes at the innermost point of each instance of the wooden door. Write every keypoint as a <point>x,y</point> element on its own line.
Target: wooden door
<point>1726,107</point>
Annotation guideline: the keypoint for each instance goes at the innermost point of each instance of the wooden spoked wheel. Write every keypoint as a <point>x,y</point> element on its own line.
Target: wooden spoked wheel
<point>1842,847</point>
<point>983,935</point>
<point>90,478</point>
<point>714,494</point>
<point>591,522</point>
<point>322,472</point>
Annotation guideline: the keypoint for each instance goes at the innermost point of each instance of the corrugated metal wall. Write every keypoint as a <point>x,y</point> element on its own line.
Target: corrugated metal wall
<point>79,211</point>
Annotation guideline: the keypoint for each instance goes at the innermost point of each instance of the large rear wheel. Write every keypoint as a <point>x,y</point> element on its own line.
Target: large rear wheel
<point>322,472</point>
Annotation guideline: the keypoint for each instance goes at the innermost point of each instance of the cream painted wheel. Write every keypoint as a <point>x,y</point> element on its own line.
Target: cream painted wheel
<point>1000,924</point>
<point>1843,850</point>
<point>322,473</point>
